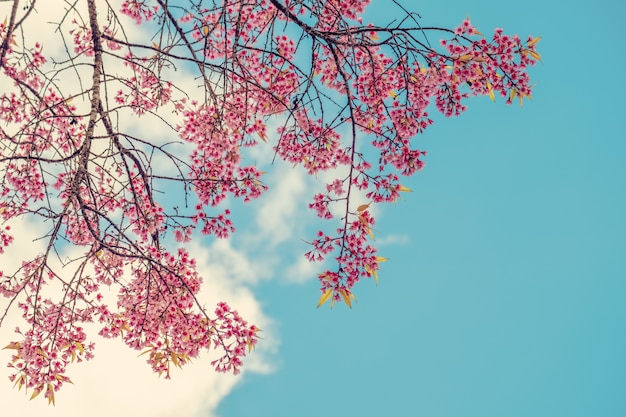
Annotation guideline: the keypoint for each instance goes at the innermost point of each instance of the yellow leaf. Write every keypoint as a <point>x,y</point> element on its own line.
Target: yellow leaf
<point>513,94</point>
<point>12,345</point>
<point>465,58</point>
<point>393,94</point>
<point>80,347</point>
<point>20,381</point>
<point>175,359</point>
<point>369,232</point>
<point>403,189</point>
<point>144,352</point>
<point>535,55</point>
<point>375,273</point>
<point>380,259</point>
<point>491,95</point>
<point>374,36</point>
<point>262,136</point>
<point>324,276</point>
<point>346,297</point>
<point>205,30</point>
<point>363,207</point>
<point>155,45</point>
<point>36,392</point>
<point>50,393</point>
<point>534,41</point>
<point>41,352</point>
<point>477,33</point>
<point>325,297</point>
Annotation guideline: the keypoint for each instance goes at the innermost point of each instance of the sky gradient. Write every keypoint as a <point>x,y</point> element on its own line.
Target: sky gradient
<point>504,295</point>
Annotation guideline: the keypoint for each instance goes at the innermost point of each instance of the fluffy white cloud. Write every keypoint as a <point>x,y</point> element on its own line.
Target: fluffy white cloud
<point>116,381</point>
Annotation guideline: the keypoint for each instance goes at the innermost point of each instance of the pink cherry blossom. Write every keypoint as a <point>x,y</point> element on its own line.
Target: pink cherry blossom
<point>309,79</point>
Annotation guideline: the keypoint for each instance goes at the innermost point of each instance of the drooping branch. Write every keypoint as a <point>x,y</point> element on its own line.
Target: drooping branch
<point>328,92</point>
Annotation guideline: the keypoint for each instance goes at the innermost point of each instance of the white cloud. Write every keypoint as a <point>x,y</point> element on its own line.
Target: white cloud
<point>302,270</point>
<point>284,206</point>
<point>389,240</point>
<point>116,381</point>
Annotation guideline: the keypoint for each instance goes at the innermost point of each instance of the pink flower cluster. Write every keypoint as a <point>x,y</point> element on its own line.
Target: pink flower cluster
<point>353,111</point>
<point>157,315</point>
<point>139,10</point>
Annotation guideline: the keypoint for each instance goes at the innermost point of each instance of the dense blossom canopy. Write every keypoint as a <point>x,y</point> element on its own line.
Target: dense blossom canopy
<point>308,78</point>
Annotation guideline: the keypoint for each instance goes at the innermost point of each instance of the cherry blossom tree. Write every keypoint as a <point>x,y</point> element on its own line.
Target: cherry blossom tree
<point>325,90</point>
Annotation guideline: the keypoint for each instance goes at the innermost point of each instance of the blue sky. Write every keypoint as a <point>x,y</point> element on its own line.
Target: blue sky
<point>503,295</point>
<point>507,296</point>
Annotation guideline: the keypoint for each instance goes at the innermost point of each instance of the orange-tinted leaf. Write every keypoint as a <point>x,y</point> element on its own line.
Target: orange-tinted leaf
<point>50,392</point>
<point>534,41</point>
<point>363,207</point>
<point>12,345</point>
<point>346,297</point>
<point>41,352</point>
<point>36,392</point>
<point>144,352</point>
<point>175,360</point>
<point>21,381</point>
<point>325,297</point>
